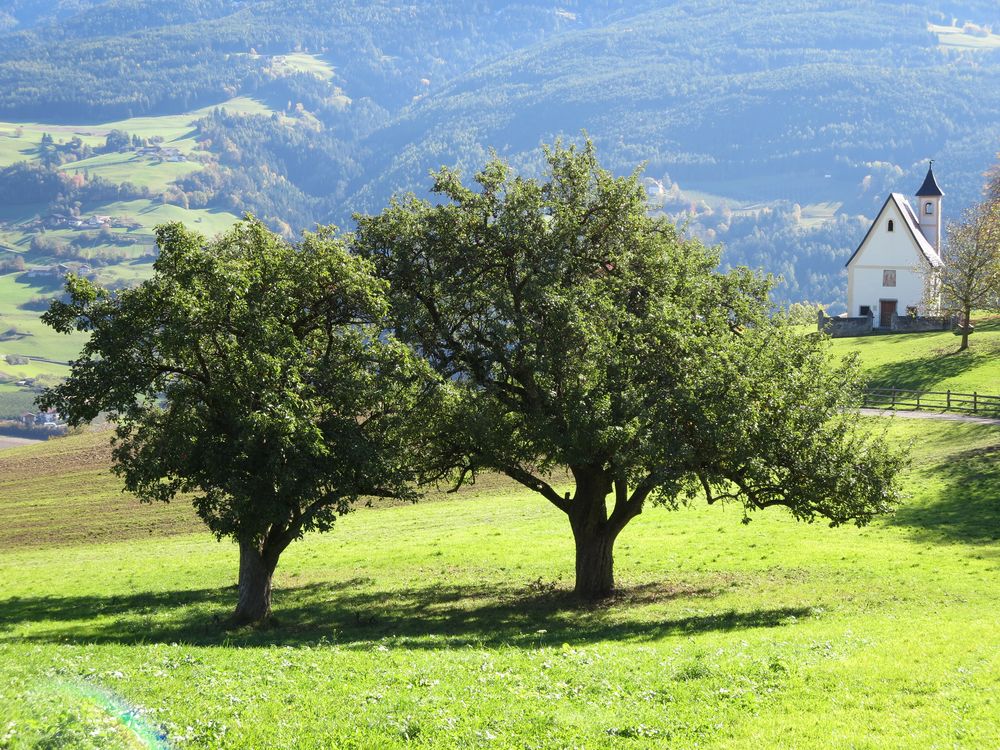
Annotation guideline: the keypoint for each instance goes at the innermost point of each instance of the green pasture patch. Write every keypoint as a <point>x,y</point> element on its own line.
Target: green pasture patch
<point>151,213</point>
<point>301,62</point>
<point>22,331</point>
<point>930,361</point>
<point>144,171</point>
<point>449,623</point>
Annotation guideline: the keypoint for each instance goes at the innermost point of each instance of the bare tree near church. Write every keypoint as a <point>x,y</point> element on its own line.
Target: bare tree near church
<point>970,277</point>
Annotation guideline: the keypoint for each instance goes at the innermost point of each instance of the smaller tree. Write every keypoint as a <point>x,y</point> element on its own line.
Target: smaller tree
<point>256,375</point>
<point>970,276</point>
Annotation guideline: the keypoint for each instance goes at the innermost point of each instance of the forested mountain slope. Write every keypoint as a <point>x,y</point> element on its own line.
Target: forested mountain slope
<point>773,127</point>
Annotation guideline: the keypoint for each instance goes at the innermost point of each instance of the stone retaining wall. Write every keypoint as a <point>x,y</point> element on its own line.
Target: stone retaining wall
<point>864,325</point>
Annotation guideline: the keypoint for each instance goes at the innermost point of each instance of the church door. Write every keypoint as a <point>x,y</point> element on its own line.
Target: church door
<point>886,308</point>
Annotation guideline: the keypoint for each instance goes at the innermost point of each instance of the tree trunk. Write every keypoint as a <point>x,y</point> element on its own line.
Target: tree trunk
<point>595,575</point>
<point>594,538</point>
<point>965,330</point>
<point>256,569</point>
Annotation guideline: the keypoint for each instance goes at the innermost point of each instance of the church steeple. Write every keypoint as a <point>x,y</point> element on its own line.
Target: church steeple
<point>930,187</point>
<point>929,208</point>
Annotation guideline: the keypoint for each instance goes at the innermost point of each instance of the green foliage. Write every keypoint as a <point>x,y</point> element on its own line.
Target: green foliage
<point>253,373</point>
<point>587,336</point>
<point>970,275</point>
<point>803,313</point>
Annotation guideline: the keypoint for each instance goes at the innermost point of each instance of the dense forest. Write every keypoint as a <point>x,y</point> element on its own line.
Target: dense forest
<point>743,114</point>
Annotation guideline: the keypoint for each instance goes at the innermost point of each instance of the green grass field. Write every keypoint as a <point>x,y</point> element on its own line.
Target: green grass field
<point>22,329</point>
<point>447,624</point>
<point>931,361</point>
<point>19,140</point>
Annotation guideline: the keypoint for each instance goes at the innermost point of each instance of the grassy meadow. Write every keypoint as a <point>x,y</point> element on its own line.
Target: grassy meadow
<point>448,623</point>
<point>21,298</point>
<point>930,361</point>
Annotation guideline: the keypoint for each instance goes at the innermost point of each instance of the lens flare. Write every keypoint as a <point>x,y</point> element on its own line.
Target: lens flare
<point>131,718</point>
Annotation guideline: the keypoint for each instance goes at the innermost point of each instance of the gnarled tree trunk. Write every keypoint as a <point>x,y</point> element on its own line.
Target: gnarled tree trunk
<point>593,535</point>
<point>595,575</point>
<point>256,569</point>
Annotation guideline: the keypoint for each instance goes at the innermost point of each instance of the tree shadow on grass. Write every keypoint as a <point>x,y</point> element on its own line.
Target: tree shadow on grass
<point>924,373</point>
<point>354,613</point>
<point>967,507</point>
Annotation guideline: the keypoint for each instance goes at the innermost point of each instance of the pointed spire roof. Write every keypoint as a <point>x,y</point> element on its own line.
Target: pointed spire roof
<point>930,187</point>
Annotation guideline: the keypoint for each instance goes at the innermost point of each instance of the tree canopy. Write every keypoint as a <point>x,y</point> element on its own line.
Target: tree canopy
<point>255,374</point>
<point>969,278</point>
<point>583,335</point>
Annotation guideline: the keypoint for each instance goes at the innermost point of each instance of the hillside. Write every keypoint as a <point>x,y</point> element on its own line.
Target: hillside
<point>73,202</point>
<point>447,624</point>
<point>775,129</point>
<point>930,361</point>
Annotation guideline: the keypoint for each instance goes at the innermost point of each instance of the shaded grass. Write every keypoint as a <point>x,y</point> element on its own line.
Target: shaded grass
<point>354,613</point>
<point>450,624</point>
<point>930,361</point>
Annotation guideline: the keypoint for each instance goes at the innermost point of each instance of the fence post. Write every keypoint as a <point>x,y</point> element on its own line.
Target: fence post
<point>918,399</point>
<point>893,398</point>
<point>948,407</point>
<point>975,402</point>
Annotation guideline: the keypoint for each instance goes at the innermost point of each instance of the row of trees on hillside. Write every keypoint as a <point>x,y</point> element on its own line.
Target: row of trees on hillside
<point>532,327</point>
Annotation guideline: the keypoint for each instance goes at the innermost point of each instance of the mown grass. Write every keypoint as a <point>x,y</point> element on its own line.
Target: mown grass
<point>449,624</point>
<point>931,361</point>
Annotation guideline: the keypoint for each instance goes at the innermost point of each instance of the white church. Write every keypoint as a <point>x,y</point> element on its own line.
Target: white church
<point>888,274</point>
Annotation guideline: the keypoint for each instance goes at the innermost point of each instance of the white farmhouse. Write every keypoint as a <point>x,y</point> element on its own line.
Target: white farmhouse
<point>889,271</point>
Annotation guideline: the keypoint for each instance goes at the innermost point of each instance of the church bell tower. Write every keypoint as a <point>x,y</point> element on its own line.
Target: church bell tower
<point>929,208</point>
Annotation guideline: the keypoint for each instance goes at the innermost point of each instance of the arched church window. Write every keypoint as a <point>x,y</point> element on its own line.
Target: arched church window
<point>891,226</point>
<point>928,208</point>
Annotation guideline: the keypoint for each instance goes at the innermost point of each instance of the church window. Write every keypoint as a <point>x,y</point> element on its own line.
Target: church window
<point>865,310</point>
<point>888,278</point>
<point>891,226</point>
<point>928,208</point>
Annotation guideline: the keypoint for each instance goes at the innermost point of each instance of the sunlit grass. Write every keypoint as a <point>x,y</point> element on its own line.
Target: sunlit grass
<point>931,361</point>
<point>448,623</point>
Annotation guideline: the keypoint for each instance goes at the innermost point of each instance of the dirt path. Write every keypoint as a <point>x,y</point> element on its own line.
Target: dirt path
<point>944,416</point>
<point>7,441</point>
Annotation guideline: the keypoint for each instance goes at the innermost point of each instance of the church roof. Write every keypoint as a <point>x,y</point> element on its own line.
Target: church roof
<point>930,187</point>
<point>912,225</point>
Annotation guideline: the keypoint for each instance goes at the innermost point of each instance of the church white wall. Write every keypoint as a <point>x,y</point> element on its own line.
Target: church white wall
<point>885,250</point>
<point>866,287</point>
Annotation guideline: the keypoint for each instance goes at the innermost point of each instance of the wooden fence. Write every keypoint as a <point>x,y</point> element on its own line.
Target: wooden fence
<point>907,398</point>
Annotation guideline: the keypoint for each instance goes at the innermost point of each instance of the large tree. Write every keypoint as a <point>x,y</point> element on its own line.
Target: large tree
<point>969,278</point>
<point>585,336</point>
<point>255,374</point>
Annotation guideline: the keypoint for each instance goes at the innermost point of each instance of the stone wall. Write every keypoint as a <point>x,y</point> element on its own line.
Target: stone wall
<point>919,323</point>
<point>843,327</point>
